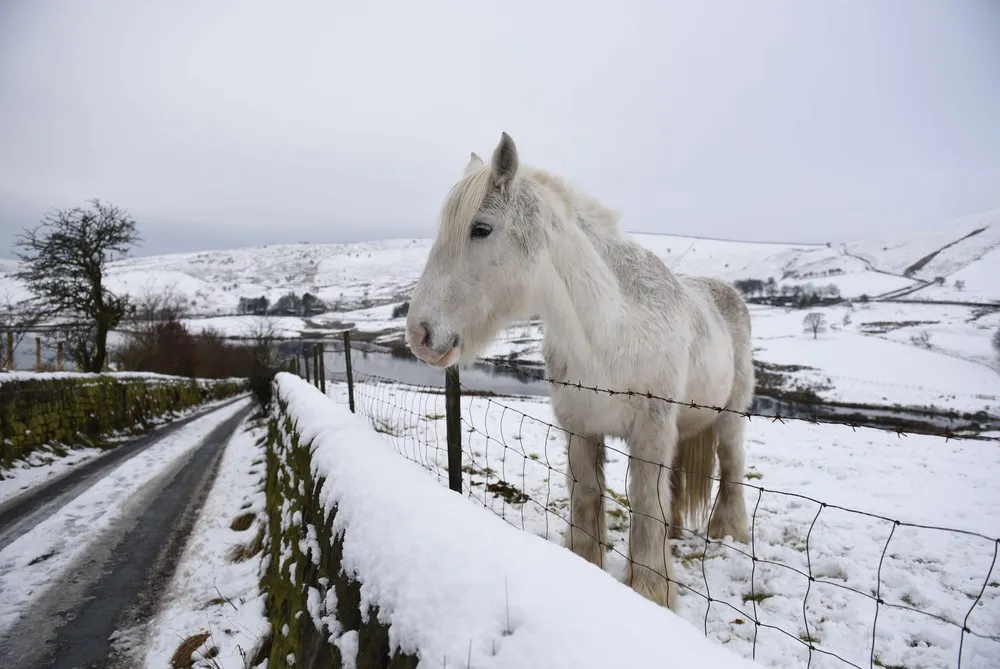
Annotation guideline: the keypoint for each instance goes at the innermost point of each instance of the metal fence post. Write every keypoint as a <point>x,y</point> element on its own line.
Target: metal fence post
<point>453,418</point>
<point>349,369</point>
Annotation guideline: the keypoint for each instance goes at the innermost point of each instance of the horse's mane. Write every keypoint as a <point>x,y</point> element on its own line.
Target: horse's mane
<point>468,195</point>
<point>576,199</point>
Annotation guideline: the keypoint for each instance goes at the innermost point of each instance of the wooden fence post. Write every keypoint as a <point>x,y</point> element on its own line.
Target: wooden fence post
<point>322,367</point>
<point>10,350</point>
<point>59,356</point>
<point>305,363</point>
<point>38,354</point>
<point>453,418</point>
<point>349,369</point>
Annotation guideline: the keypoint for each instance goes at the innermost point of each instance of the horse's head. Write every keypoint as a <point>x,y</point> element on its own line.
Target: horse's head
<point>481,270</point>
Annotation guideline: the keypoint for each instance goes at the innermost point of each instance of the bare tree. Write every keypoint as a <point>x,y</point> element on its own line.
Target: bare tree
<point>64,263</point>
<point>814,322</point>
<point>17,319</point>
<point>959,285</point>
<point>262,334</point>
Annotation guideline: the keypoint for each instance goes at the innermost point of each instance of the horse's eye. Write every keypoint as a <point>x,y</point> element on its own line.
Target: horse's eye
<point>481,230</point>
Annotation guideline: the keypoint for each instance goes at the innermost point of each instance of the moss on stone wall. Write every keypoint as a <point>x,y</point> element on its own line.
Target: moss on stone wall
<point>310,600</point>
<point>88,409</point>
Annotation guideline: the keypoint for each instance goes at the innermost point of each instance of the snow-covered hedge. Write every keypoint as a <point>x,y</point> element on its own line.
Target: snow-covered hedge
<point>370,560</point>
<point>66,408</point>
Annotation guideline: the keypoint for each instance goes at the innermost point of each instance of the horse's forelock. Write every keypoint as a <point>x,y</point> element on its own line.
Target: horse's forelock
<point>464,200</point>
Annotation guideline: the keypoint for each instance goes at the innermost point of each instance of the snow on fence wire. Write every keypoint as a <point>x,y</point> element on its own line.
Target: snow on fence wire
<point>820,584</point>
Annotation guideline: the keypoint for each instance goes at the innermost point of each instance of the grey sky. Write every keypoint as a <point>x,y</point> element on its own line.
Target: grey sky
<point>223,124</point>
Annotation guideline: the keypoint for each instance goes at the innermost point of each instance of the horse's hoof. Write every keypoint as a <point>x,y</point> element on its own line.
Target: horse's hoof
<point>653,587</point>
<point>721,527</point>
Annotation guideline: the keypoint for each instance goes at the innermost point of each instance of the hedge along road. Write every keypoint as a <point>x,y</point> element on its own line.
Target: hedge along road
<point>77,587</point>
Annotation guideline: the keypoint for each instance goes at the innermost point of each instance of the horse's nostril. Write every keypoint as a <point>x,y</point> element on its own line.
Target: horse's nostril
<point>454,343</point>
<point>426,333</point>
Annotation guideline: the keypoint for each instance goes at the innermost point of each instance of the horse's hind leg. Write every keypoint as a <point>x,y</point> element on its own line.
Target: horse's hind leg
<point>730,514</point>
<point>586,534</point>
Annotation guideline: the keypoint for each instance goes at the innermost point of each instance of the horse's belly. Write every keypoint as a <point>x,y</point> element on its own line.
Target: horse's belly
<point>587,413</point>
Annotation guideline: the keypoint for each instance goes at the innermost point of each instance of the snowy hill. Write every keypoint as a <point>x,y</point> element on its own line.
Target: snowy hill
<point>350,276</point>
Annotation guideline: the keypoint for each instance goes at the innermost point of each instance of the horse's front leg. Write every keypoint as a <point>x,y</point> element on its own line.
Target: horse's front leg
<point>650,569</point>
<point>586,534</point>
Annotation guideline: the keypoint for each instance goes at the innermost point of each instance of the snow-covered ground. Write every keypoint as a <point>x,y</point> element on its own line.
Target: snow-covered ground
<point>210,594</point>
<point>929,580</point>
<point>36,561</point>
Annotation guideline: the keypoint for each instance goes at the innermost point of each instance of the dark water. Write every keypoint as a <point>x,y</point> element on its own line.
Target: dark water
<point>503,380</point>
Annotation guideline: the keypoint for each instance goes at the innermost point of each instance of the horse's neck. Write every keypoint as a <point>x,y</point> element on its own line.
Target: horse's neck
<point>581,302</point>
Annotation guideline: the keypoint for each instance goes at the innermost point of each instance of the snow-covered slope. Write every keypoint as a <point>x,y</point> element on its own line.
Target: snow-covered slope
<point>212,282</point>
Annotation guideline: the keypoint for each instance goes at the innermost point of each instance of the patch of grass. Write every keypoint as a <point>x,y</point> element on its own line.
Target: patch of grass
<point>182,656</point>
<point>243,552</point>
<point>752,474</point>
<point>756,597</point>
<point>534,456</point>
<point>215,601</point>
<point>435,416</point>
<point>508,492</point>
<point>808,638</point>
<point>385,427</point>
<point>621,499</point>
<point>879,663</point>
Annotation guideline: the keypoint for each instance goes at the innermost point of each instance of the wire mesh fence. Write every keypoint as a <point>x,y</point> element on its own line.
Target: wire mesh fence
<point>818,584</point>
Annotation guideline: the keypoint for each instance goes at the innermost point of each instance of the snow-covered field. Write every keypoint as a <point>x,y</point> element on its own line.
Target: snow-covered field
<point>801,479</point>
<point>36,561</point>
<point>210,594</point>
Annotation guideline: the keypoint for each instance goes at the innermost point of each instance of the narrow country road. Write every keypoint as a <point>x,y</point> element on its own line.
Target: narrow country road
<point>89,611</point>
<point>23,512</point>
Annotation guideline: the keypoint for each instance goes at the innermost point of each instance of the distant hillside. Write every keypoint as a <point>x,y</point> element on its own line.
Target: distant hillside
<point>348,276</point>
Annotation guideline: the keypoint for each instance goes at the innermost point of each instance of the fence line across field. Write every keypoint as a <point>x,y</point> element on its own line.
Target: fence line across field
<point>409,415</point>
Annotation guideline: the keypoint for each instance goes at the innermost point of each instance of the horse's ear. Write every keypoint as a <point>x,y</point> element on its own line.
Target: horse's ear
<point>475,162</point>
<point>504,165</point>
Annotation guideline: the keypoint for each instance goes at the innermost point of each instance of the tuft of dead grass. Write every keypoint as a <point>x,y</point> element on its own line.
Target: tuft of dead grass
<point>243,552</point>
<point>242,522</point>
<point>182,656</point>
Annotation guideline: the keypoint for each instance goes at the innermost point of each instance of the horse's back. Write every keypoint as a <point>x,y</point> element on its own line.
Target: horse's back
<point>734,312</point>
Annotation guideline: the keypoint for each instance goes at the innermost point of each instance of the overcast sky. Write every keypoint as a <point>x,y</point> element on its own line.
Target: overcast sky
<point>223,124</point>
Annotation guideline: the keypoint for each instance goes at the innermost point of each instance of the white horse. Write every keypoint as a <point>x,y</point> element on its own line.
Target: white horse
<point>515,241</point>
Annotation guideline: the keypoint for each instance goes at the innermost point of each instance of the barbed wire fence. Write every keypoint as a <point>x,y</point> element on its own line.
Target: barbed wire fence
<point>839,582</point>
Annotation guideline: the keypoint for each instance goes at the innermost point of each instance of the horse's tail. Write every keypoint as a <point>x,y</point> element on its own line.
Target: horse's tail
<point>692,484</point>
